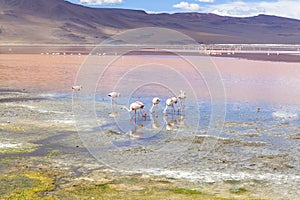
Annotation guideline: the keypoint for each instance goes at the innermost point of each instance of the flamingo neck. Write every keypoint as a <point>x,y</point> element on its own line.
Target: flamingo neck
<point>151,109</point>
<point>127,109</point>
<point>165,110</point>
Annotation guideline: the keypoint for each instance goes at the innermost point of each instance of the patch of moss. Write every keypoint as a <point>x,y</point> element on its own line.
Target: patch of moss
<point>8,159</point>
<point>53,153</point>
<point>104,187</point>
<point>27,185</point>
<point>126,180</point>
<point>185,191</point>
<point>12,128</point>
<point>163,181</point>
<point>130,188</point>
<point>238,190</point>
<point>232,181</point>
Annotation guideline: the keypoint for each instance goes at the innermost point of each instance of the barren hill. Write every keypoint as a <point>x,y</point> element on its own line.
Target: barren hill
<point>57,21</point>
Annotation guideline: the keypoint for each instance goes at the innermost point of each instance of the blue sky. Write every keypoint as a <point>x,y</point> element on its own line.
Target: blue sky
<point>237,8</point>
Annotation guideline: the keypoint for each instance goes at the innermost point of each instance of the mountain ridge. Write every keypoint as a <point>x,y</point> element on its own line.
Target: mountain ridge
<point>59,21</point>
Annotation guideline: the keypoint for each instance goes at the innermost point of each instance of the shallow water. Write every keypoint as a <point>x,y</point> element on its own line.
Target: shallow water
<point>125,141</point>
<point>259,101</point>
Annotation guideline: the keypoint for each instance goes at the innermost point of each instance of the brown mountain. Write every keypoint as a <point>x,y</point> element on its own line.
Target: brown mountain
<point>57,21</point>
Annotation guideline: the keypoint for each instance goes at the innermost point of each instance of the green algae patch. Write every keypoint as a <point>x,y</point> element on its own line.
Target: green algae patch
<point>128,187</point>
<point>53,153</point>
<point>12,127</point>
<point>17,148</point>
<point>238,190</point>
<point>185,191</point>
<point>109,192</point>
<point>26,185</point>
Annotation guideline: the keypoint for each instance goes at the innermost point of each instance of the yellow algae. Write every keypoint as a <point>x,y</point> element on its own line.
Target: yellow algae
<point>133,188</point>
<point>26,185</point>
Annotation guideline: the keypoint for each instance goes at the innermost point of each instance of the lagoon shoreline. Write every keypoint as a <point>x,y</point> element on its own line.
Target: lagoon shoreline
<point>40,141</point>
<point>41,147</point>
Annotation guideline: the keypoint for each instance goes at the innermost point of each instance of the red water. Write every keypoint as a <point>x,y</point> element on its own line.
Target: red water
<point>243,80</point>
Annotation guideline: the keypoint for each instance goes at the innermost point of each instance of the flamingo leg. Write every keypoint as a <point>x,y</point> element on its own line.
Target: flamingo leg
<point>151,109</point>
<point>165,110</point>
<point>144,115</point>
<point>133,116</point>
<point>114,100</point>
<point>182,106</point>
<point>156,110</point>
<point>112,104</point>
<point>139,113</point>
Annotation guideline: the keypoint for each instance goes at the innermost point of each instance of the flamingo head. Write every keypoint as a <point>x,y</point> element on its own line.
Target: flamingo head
<point>155,100</point>
<point>174,99</point>
<point>182,94</point>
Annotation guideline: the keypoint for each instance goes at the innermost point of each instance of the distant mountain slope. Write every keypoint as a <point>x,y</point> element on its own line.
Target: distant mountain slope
<point>57,21</point>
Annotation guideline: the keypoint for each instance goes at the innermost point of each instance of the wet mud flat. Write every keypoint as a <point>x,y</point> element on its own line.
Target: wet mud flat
<point>42,156</point>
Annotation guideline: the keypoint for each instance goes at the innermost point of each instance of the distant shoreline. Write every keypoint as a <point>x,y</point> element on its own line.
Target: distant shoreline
<point>262,52</point>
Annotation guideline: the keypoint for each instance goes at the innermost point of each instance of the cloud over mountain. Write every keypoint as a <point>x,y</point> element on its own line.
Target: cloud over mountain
<point>187,6</point>
<point>284,8</point>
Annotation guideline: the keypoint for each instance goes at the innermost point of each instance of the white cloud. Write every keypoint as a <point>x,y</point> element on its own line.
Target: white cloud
<point>206,1</point>
<point>284,8</point>
<point>187,6</point>
<point>101,2</point>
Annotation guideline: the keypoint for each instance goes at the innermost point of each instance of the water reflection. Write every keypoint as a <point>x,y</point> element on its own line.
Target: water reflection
<point>154,120</point>
<point>113,114</point>
<point>174,122</point>
<point>137,132</point>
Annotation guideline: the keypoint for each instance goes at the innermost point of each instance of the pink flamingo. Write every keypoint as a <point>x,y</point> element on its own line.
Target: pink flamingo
<point>76,88</point>
<point>155,102</point>
<point>182,97</point>
<point>170,102</point>
<point>113,95</point>
<point>137,106</point>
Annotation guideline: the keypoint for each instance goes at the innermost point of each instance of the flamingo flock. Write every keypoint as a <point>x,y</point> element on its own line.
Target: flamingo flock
<point>138,106</point>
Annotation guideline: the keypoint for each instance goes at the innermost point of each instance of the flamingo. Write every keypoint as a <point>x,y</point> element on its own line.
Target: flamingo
<point>76,88</point>
<point>170,102</point>
<point>136,106</point>
<point>182,97</point>
<point>155,102</point>
<point>113,95</point>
